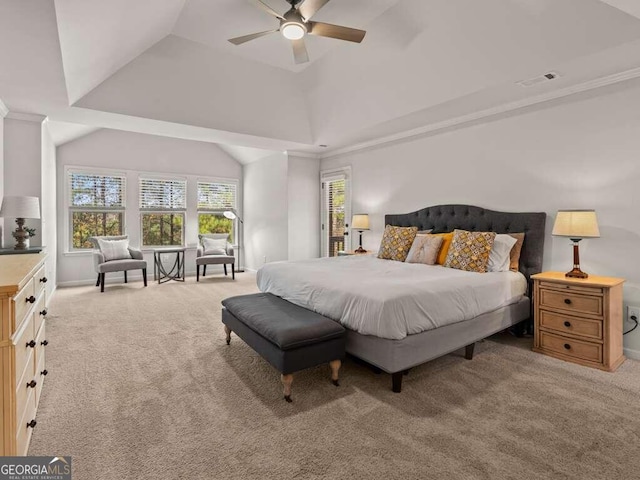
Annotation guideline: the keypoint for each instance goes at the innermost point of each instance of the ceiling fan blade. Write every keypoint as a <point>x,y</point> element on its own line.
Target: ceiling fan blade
<point>310,7</point>
<point>300,54</point>
<point>337,31</point>
<point>253,36</point>
<point>266,8</point>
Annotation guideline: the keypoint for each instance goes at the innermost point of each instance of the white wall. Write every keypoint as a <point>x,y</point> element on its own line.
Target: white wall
<point>48,206</point>
<point>583,154</point>
<point>1,168</point>
<point>131,153</point>
<point>266,223</point>
<point>303,185</point>
<point>22,169</point>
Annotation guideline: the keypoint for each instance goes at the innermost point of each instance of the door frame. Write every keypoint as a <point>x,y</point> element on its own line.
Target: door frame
<point>326,176</point>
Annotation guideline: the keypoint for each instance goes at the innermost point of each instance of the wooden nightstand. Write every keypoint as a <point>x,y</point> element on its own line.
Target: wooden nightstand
<point>346,253</point>
<point>579,320</point>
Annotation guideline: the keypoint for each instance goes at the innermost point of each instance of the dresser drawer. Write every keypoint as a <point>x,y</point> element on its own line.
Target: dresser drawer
<point>23,434</point>
<point>570,347</point>
<point>39,377</point>
<point>585,327</point>
<point>39,280</point>
<point>24,387</point>
<point>25,347</point>
<point>40,312</point>
<point>41,344</point>
<point>571,302</point>
<point>22,302</point>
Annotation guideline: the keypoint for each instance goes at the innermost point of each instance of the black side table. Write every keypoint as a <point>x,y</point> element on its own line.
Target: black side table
<point>176,272</point>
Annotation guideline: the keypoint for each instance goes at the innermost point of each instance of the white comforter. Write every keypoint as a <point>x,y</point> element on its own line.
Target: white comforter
<point>386,298</point>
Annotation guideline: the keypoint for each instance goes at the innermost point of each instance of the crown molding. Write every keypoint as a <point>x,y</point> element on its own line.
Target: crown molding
<point>315,156</point>
<point>3,109</point>
<point>26,117</point>
<point>489,112</point>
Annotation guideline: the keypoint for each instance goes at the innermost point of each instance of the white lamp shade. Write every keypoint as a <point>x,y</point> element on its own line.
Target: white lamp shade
<point>20,207</point>
<point>360,221</point>
<point>576,224</point>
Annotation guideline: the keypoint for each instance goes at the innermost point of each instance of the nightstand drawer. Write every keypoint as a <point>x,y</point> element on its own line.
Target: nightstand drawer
<point>572,288</point>
<point>571,302</point>
<point>584,327</point>
<point>570,347</point>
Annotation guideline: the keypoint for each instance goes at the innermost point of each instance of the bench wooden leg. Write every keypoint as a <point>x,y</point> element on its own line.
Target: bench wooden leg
<point>468,351</point>
<point>287,380</point>
<point>227,332</point>
<point>335,368</point>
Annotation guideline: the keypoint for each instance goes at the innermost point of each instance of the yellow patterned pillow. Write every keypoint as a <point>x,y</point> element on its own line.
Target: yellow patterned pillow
<point>470,251</point>
<point>396,242</point>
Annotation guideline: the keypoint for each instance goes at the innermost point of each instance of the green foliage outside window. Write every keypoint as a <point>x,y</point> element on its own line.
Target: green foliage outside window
<point>89,224</point>
<point>162,229</point>
<point>215,223</point>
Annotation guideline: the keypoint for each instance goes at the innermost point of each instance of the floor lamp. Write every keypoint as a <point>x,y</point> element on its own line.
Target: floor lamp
<point>232,215</point>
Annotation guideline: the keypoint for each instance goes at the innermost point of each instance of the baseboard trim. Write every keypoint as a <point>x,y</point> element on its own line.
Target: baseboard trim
<point>634,354</point>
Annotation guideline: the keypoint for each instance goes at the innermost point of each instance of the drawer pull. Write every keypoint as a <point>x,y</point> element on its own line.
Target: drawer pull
<point>567,301</point>
<point>43,312</point>
<point>31,344</point>
<point>44,372</point>
<point>44,279</point>
<point>567,346</point>
<point>30,299</point>
<point>32,424</point>
<point>567,324</point>
<point>32,384</point>
<point>44,342</point>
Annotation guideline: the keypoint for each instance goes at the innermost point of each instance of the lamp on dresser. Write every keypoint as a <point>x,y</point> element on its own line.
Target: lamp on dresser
<point>20,208</point>
<point>576,224</point>
<point>360,222</point>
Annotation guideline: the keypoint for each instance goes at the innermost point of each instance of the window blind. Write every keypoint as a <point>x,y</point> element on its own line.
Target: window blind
<point>163,194</point>
<point>216,195</point>
<point>96,191</point>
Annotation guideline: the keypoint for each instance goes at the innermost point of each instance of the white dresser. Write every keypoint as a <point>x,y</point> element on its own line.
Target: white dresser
<point>22,347</point>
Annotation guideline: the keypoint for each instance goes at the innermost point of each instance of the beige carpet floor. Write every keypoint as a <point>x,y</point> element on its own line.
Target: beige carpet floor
<point>143,386</point>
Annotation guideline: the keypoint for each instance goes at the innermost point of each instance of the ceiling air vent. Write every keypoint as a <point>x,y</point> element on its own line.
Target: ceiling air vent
<point>547,77</point>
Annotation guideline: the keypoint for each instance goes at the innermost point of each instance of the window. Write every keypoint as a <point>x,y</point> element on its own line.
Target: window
<point>96,206</point>
<point>335,211</point>
<point>162,203</point>
<point>214,198</point>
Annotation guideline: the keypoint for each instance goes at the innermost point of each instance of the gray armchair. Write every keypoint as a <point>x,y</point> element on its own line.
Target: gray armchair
<point>204,258</point>
<point>103,266</point>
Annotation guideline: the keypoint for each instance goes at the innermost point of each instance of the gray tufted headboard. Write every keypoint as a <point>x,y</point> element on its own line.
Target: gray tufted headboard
<point>446,218</point>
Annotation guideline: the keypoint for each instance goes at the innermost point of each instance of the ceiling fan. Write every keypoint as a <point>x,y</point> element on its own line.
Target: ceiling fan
<point>296,23</point>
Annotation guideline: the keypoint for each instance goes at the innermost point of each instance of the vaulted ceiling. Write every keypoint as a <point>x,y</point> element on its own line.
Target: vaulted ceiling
<point>166,67</point>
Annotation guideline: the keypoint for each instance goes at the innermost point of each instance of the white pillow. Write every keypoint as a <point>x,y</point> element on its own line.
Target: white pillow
<point>214,246</point>
<point>499,258</point>
<point>114,249</point>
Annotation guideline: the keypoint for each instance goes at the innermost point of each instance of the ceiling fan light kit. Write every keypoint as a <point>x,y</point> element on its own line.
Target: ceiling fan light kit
<point>296,23</point>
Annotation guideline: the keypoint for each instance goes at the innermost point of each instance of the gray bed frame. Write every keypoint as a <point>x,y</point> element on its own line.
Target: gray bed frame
<point>398,356</point>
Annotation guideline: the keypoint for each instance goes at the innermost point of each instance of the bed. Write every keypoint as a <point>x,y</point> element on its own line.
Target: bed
<point>401,315</point>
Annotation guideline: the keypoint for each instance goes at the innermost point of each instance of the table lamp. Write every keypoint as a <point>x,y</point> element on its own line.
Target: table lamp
<point>360,222</point>
<point>576,224</point>
<point>20,208</point>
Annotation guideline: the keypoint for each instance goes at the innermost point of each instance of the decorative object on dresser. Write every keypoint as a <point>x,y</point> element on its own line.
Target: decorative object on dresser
<point>576,224</point>
<point>579,320</point>
<point>232,215</point>
<point>113,254</point>
<point>23,311</point>
<point>20,208</point>
<point>360,222</point>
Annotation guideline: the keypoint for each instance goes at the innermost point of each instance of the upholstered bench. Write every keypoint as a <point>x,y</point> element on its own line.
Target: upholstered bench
<point>289,337</point>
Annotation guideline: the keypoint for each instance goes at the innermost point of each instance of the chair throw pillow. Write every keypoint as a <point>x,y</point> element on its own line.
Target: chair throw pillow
<point>114,249</point>
<point>500,256</point>
<point>396,242</point>
<point>425,249</point>
<point>515,251</point>
<point>214,246</point>
<point>470,251</point>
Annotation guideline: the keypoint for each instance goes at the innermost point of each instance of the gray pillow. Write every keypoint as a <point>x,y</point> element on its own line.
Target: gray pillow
<point>425,249</point>
<point>114,249</point>
<point>214,246</point>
